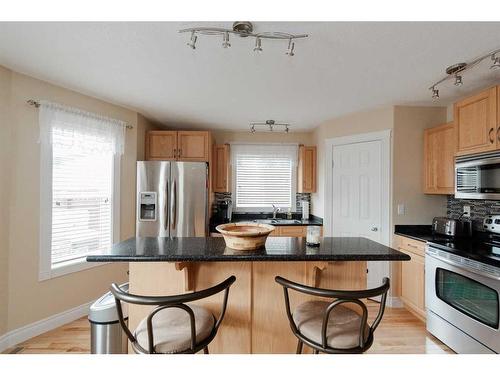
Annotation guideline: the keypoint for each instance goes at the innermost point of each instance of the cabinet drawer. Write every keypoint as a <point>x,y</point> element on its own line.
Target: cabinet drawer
<point>412,246</point>
<point>293,231</point>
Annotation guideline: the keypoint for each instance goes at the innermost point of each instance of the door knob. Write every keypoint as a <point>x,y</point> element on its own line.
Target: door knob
<point>374,229</point>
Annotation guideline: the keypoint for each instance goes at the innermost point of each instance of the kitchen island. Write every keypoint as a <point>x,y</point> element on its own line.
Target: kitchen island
<point>255,320</point>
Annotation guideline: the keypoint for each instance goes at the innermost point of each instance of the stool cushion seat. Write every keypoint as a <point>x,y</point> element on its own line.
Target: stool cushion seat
<point>343,324</point>
<point>172,329</point>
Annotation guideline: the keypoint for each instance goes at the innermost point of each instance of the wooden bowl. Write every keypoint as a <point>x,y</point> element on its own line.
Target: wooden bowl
<point>245,236</point>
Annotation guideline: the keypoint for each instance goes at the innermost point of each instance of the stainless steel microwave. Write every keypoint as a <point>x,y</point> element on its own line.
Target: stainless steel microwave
<point>478,176</point>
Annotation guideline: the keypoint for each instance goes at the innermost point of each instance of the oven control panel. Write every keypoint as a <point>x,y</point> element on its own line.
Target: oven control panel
<point>491,223</point>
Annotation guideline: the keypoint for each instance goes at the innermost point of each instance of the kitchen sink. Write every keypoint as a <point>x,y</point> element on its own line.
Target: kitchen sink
<point>277,221</point>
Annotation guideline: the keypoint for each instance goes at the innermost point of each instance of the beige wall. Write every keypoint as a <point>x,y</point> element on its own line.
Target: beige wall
<point>5,145</point>
<point>356,123</point>
<point>143,126</point>
<point>408,146</point>
<point>407,124</point>
<point>28,299</point>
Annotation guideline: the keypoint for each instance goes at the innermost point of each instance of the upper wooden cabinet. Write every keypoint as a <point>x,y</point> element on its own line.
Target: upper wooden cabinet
<point>439,159</point>
<point>307,169</point>
<point>221,179</point>
<point>178,145</point>
<point>161,145</point>
<point>476,123</point>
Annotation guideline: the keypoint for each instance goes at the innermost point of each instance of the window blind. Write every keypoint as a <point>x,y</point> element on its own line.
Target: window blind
<point>82,197</point>
<point>264,175</point>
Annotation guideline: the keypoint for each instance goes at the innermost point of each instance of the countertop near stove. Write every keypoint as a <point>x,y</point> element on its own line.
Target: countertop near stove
<point>479,247</point>
<point>418,232</point>
<point>213,249</point>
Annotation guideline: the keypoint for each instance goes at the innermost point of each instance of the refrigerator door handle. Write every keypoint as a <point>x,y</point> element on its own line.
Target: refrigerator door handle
<point>173,206</point>
<point>165,208</point>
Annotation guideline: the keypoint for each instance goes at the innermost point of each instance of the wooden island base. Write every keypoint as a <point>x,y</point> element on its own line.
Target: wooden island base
<point>255,320</point>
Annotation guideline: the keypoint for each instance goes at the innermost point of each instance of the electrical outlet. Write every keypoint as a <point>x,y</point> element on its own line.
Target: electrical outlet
<point>401,209</point>
<point>466,211</point>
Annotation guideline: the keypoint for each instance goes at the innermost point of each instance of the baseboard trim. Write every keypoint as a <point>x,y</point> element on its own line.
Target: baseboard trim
<point>31,330</point>
<point>394,302</point>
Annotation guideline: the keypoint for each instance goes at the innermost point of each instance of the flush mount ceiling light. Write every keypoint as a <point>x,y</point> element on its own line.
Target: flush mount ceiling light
<point>269,126</point>
<point>456,70</point>
<point>243,29</point>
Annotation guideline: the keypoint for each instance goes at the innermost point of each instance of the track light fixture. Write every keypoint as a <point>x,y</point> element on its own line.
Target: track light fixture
<point>192,42</point>
<point>456,70</point>
<point>496,61</point>
<point>225,42</point>
<point>269,126</point>
<point>435,93</point>
<point>243,29</point>
<point>291,46</point>
<point>258,45</point>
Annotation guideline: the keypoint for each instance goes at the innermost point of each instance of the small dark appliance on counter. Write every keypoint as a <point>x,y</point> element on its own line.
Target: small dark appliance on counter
<point>225,211</point>
<point>451,227</point>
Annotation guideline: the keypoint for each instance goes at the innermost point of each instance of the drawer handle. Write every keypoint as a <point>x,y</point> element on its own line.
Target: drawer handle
<point>414,246</point>
<point>490,133</point>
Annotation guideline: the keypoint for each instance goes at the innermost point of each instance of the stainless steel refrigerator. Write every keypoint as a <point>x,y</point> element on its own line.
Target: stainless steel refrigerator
<point>172,199</point>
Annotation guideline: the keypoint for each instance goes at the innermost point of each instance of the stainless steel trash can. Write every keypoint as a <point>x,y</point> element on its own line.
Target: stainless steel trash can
<point>106,334</point>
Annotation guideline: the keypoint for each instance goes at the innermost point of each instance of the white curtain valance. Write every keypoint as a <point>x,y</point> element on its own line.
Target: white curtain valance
<point>73,128</point>
<point>288,151</point>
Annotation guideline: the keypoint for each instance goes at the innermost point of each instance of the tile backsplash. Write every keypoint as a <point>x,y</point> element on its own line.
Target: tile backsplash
<point>299,197</point>
<point>479,209</point>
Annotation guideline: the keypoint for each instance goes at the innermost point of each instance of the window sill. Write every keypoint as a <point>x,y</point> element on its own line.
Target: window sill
<point>67,268</point>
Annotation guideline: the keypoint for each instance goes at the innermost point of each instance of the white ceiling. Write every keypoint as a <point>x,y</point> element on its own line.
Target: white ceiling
<point>343,67</point>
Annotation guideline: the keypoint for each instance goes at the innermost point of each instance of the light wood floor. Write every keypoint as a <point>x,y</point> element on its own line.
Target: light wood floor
<point>399,333</point>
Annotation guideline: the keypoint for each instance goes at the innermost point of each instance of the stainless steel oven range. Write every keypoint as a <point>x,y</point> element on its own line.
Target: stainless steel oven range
<point>462,300</point>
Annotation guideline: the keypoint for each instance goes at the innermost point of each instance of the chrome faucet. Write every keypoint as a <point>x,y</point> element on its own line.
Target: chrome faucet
<point>275,211</point>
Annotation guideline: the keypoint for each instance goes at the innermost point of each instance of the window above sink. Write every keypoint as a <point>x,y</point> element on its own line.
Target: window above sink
<point>263,175</point>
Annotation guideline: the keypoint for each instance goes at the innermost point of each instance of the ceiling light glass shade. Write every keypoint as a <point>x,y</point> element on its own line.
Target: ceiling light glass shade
<point>496,62</point>
<point>258,45</point>
<point>458,81</point>
<point>226,43</point>
<point>435,93</point>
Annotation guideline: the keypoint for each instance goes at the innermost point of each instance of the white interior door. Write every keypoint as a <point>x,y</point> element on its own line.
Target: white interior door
<point>357,197</point>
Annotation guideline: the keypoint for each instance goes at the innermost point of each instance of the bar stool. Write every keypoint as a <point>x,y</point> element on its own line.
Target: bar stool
<point>327,326</point>
<point>174,326</point>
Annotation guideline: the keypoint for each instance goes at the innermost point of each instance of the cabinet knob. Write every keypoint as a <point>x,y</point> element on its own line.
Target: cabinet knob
<point>490,134</point>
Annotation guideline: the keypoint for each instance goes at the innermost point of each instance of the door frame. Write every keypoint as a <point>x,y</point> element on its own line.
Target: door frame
<point>384,136</point>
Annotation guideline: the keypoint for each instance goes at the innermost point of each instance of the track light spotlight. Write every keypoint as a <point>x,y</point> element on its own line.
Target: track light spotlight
<point>226,43</point>
<point>291,46</point>
<point>496,62</point>
<point>258,45</point>
<point>458,80</point>
<point>192,42</point>
<point>435,93</point>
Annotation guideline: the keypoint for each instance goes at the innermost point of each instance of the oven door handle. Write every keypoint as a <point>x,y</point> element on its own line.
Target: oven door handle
<point>461,266</point>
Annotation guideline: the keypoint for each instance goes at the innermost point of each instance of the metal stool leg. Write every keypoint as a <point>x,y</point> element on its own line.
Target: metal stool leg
<point>205,350</point>
<point>299,347</point>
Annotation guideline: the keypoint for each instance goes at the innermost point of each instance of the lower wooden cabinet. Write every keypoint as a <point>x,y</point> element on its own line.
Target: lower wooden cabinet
<point>413,275</point>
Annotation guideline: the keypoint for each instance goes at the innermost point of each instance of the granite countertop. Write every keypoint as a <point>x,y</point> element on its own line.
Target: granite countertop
<point>213,249</point>
<point>418,232</point>
<point>477,247</point>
